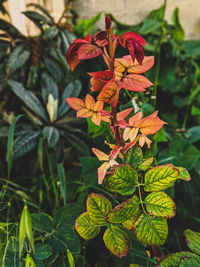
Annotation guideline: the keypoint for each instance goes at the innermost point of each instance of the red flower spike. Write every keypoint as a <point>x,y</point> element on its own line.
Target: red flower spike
<point>133,42</point>
<point>108,22</point>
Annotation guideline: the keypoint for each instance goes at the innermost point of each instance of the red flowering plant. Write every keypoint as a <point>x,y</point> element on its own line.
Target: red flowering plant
<point>124,171</point>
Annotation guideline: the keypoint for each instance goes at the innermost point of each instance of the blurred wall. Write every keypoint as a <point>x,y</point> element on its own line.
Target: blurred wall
<point>134,11</point>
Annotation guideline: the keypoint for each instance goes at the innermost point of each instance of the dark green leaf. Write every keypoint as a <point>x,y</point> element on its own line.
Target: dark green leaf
<point>48,87</point>
<point>193,134</point>
<point>42,251</point>
<point>89,169</point>
<point>10,29</point>
<point>61,175</point>
<point>42,222</point>
<point>134,156</point>
<point>52,135</point>
<point>178,32</point>
<point>28,98</point>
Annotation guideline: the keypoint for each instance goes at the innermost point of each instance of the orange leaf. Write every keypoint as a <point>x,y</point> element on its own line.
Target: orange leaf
<point>147,64</point>
<point>84,113</point>
<point>100,154</point>
<point>89,102</point>
<point>75,103</point>
<point>96,118</point>
<point>109,94</point>
<point>87,51</point>
<point>102,172</point>
<point>134,118</point>
<point>135,82</point>
<point>98,106</point>
<point>121,64</point>
<point>123,114</point>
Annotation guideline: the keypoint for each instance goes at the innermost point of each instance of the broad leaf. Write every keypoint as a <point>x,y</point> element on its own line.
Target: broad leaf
<point>89,169</point>
<point>193,240</point>
<point>52,135</point>
<point>134,156</point>
<point>42,222</point>
<point>28,98</point>
<point>145,164</point>
<point>87,51</point>
<point>116,240</point>
<point>129,224</point>
<point>173,260</point>
<point>160,204</point>
<point>150,230</point>
<point>135,82</point>
<point>178,31</point>
<point>109,94</point>
<point>160,178</point>
<point>100,78</point>
<point>48,87</point>
<point>183,174</point>
<point>98,207</point>
<point>123,180</point>
<point>42,251</point>
<point>85,227</point>
<point>185,262</point>
<point>17,58</point>
<point>124,211</point>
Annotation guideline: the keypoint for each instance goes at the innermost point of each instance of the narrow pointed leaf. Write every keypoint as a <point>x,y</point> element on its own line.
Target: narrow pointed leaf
<point>87,51</point>
<point>70,259</point>
<point>184,174</point>
<point>52,135</point>
<point>116,240</point>
<point>85,227</point>
<point>61,175</point>
<point>98,207</point>
<point>193,240</point>
<point>22,233</point>
<point>123,114</point>
<point>124,211</point>
<point>173,260</point>
<point>123,180</point>
<point>151,230</point>
<point>28,226</point>
<point>160,204</point>
<point>100,154</point>
<point>160,177</point>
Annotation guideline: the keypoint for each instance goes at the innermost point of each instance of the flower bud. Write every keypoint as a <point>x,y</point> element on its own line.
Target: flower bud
<point>108,22</point>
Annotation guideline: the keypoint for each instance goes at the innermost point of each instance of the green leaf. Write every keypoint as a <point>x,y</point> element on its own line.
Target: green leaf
<point>183,174</point>
<point>126,210</point>
<point>134,156</point>
<point>89,169</point>
<point>51,32</point>
<point>28,98</point>
<point>129,224</point>
<point>38,19</point>
<point>28,226</point>
<point>61,175</point>
<point>160,177</point>
<point>48,87</point>
<point>178,32</point>
<point>150,26</point>
<point>150,230</point>
<point>84,26</point>
<point>123,180</point>
<point>10,29</point>
<point>42,222</point>
<point>173,260</point>
<point>116,240</point>
<point>145,164</point>
<point>185,154</point>
<point>17,58</point>
<point>22,233</point>
<point>55,69</point>
<point>9,155</point>
<point>70,259</point>
<point>185,262</point>
<point>98,207</point>
<point>85,227</point>
<point>193,134</point>
<point>52,135</point>
<point>25,143</point>
<point>43,251</point>
<point>44,11</point>
<point>157,14</point>
<point>71,90</point>
<point>160,204</point>
<point>193,240</point>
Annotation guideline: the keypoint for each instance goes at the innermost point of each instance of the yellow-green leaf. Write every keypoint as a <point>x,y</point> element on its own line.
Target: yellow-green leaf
<point>151,230</point>
<point>116,240</point>
<point>160,204</point>
<point>184,174</point>
<point>189,263</point>
<point>160,177</point>
<point>28,226</point>
<point>193,240</point>
<point>124,211</point>
<point>98,207</point>
<point>22,233</point>
<point>173,260</point>
<point>122,180</point>
<point>129,224</point>
<point>85,227</point>
<point>134,156</point>
<point>70,258</point>
<point>145,164</point>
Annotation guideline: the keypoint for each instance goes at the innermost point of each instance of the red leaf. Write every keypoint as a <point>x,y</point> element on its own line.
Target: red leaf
<point>135,67</point>
<point>133,36</point>
<point>72,56</point>
<point>87,51</point>
<point>100,38</point>
<point>135,82</point>
<point>123,114</point>
<point>109,94</point>
<point>75,103</point>
<point>99,79</point>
